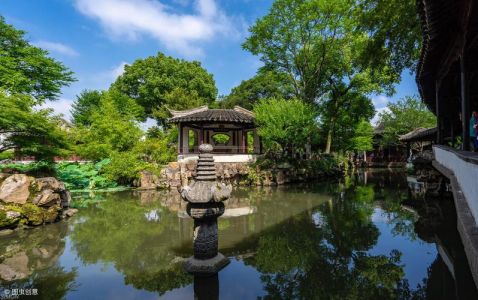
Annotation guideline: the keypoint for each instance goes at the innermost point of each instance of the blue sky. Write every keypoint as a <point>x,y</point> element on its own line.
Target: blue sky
<point>95,38</point>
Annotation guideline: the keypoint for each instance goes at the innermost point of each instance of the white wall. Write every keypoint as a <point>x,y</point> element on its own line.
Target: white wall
<point>466,174</point>
<point>249,158</point>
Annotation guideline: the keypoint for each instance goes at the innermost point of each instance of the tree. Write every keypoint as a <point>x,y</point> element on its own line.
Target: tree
<point>89,101</point>
<point>28,77</point>
<point>363,139</point>
<point>82,109</point>
<point>346,117</point>
<point>29,131</point>
<point>404,116</point>
<point>395,32</point>
<point>27,70</point>
<point>265,84</point>
<point>320,46</point>
<point>285,123</point>
<point>162,81</point>
<point>111,130</point>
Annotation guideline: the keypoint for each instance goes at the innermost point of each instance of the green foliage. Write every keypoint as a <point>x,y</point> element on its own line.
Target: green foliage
<point>395,32</point>
<point>7,154</point>
<point>84,176</point>
<point>38,168</point>
<point>158,151</point>
<point>287,123</point>
<point>161,81</point>
<point>27,70</point>
<point>89,102</point>
<point>363,139</point>
<point>31,131</point>
<point>221,138</point>
<point>111,130</point>
<point>341,122</point>
<point>124,167</point>
<point>28,77</point>
<point>265,84</point>
<point>85,104</point>
<point>404,116</point>
<point>334,53</point>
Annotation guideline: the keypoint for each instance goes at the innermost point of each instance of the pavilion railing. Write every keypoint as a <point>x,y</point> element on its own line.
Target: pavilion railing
<point>220,149</point>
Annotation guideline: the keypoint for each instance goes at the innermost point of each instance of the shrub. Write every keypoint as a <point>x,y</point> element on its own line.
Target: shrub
<point>124,167</point>
<point>37,169</point>
<point>78,176</point>
<point>9,154</point>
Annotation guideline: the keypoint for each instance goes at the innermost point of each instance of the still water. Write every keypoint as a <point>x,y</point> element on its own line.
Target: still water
<point>360,238</point>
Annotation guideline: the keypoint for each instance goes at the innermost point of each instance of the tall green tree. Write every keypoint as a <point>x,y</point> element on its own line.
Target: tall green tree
<point>404,116</point>
<point>320,46</point>
<point>161,81</point>
<point>28,70</point>
<point>285,123</point>
<point>363,138</point>
<point>28,131</point>
<point>89,101</point>
<point>265,84</point>
<point>28,77</point>
<point>347,116</point>
<point>83,107</point>
<point>394,28</point>
<point>111,130</point>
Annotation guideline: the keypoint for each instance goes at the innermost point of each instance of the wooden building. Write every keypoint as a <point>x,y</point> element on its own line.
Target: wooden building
<point>235,127</point>
<point>448,83</point>
<point>447,70</point>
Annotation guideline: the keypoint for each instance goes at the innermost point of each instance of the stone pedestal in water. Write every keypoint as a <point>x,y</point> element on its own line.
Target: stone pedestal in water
<point>204,197</point>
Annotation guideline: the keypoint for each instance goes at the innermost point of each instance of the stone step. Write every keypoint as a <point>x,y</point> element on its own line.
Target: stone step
<point>205,168</point>
<point>206,173</point>
<point>206,177</point>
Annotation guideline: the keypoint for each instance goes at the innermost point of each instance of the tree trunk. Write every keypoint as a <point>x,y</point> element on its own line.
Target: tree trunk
<point>330,132</point>
<point>329,140</point>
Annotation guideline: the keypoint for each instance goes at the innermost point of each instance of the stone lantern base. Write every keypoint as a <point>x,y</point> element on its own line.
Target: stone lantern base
<point>206,267</point>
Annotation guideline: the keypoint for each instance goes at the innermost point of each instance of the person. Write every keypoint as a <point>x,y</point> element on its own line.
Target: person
<point>474,130</point>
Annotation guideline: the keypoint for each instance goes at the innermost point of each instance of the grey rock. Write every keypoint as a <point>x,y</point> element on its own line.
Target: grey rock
<point>15,189</point>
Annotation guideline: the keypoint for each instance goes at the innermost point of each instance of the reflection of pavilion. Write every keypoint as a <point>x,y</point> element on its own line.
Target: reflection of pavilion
<point>239,139</point>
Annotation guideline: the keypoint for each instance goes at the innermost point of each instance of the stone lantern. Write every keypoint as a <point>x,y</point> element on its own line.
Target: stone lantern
<point>204,197</point>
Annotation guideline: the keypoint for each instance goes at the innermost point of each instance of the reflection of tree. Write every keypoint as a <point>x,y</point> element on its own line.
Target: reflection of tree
<point>138,246</point>
<point>52,283</point>
<point>29,260</point>
<point>300,259</point>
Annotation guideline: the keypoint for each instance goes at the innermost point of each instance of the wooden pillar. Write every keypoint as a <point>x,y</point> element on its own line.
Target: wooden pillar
<point>201,135</point>
<point>438,113</point>
<point>180,138</point>
<point>243,144</point>
<point>465,106</point>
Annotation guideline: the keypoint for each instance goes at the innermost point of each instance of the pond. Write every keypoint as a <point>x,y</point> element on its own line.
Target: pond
<point>360,238</point>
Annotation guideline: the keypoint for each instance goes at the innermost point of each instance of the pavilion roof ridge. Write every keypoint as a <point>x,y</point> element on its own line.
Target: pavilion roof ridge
<point>182,113</point>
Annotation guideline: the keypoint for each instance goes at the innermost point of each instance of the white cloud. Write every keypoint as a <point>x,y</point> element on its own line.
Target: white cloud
<point>61,106</point>
<point>380,101</point>
<point>117,71</point>
<point>181,32</point>
<point>56,47</point>
<point>375,119</point>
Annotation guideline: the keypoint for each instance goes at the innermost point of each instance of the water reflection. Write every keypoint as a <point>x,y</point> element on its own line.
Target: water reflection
<point>29,260</point>
<point>361,238</point>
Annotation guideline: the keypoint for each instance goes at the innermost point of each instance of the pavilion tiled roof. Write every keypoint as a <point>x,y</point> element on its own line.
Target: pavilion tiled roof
<point>204,114</point>
<point>419,134</point>
<point>448,28</point>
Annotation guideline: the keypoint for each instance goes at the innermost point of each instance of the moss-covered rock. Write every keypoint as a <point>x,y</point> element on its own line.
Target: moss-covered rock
<point>33,214</point>
<point>8,219</point>
<point>51,214</point>
<point>29,201</point>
